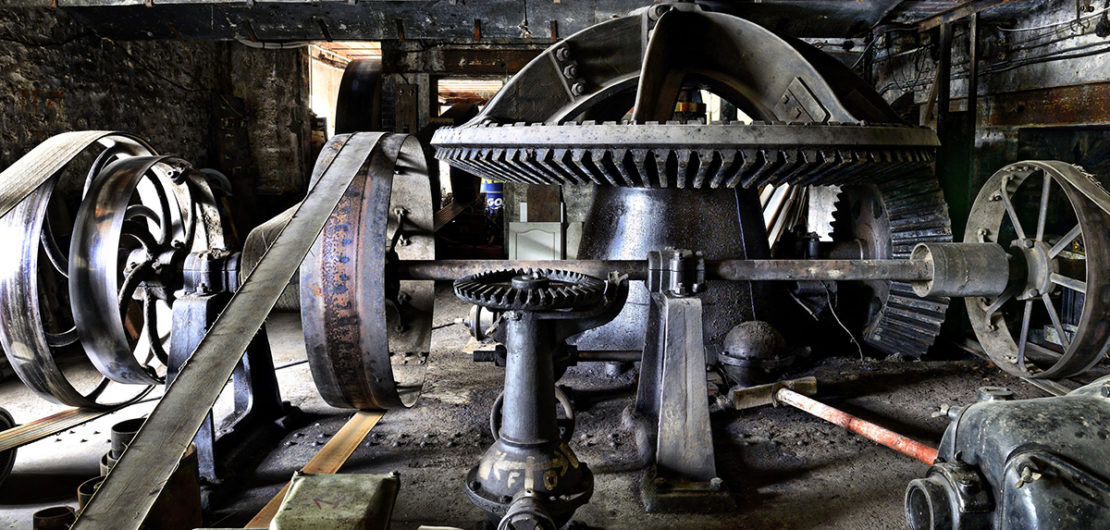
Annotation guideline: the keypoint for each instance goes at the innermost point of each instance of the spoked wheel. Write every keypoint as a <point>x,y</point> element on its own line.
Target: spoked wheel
<point>1052,320</point>
<point>132,234</point>
<point>36,321</point>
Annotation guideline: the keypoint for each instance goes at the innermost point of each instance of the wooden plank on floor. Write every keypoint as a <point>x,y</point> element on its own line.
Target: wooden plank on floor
<point>330,458</point>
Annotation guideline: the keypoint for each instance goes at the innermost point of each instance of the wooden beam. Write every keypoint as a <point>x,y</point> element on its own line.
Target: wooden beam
<point>330,458</point>
<point>961,11</point>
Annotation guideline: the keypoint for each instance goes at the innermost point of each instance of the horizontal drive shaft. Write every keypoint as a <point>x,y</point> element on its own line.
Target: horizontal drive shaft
<point>733,269</point>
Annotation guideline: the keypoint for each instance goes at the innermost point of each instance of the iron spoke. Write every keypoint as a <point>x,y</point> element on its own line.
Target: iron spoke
<point>65,338</point>
<point>997,304</point>
<point>150,315</point>
<point>1024,337</point>
<point>1055,320</point>
<point>1063,243</point>
<point>100,387</point>
<point>1011,212</point>
<point>1043,213</point>
<point>1070,283</point>
<point>54,253</point>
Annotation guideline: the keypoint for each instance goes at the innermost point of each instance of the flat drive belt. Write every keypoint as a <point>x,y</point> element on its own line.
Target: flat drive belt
<point>43,162</point>
<point>130,489</point>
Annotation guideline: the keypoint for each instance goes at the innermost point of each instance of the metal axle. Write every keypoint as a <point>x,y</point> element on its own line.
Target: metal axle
<point>729,269</point>
<point>978,272</point>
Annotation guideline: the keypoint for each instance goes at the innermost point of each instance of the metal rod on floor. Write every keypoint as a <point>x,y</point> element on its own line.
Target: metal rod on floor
<point>875,433</point>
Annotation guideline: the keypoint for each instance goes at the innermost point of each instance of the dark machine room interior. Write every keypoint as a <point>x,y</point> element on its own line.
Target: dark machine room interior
<point>547,264</point>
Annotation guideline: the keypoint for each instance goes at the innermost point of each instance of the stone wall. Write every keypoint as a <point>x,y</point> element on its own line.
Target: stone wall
<point>57,76</point>
<point>221,105</point>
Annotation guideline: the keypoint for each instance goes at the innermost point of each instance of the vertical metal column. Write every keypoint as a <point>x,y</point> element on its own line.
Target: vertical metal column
<point>674,433</point>
<point>944,78</point>
<point>529,409</point>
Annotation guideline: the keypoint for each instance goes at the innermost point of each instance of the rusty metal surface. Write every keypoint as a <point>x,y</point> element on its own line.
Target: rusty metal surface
<point>133,485</point>
<point>1058,106</point>
<point>354,313</point>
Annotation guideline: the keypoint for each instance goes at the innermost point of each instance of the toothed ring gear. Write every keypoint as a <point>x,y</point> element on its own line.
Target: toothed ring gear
<point>530,289</point>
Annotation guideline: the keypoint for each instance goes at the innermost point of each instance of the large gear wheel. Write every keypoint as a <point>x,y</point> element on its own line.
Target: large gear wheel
<point>687,155</point>
<point>887,220</point>
<point>530,289</point>
<point>602,108</point>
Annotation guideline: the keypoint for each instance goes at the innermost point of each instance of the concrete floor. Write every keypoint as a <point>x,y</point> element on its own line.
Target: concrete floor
<point>784,468</point>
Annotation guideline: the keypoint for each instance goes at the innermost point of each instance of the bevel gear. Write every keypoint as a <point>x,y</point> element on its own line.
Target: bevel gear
<point>530,289</point>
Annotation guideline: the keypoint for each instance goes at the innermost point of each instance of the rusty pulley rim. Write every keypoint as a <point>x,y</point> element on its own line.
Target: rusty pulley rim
<point>367,333</point>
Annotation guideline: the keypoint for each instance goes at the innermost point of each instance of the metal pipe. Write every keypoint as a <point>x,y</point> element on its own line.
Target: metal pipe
<point>735,270</point>
<point>528,416</point>
<point>875,433</point>
<point>812,269</point>
<point>609,356</point>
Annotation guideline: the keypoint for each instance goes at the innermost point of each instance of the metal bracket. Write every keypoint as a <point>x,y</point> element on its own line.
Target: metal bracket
<point>671,401</point>
<point>257,400</point>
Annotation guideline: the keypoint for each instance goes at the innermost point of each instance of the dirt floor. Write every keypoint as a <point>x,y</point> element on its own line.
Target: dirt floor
<point>783,468</point>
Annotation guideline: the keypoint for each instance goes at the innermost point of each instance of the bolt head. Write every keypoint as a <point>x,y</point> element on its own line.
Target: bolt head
<point>658,11</point>
<point>578,89</point>
<point>570,71</point>
<point>1029,243</point>
<point>1105,390</point>
<point>562,53</point>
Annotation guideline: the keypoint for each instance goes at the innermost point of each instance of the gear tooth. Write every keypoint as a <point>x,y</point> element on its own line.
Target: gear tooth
<point>905,324</point>
<point>494,289</point>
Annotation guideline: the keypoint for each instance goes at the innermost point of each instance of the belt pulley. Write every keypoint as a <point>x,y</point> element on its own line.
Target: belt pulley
<point>129,206</point>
